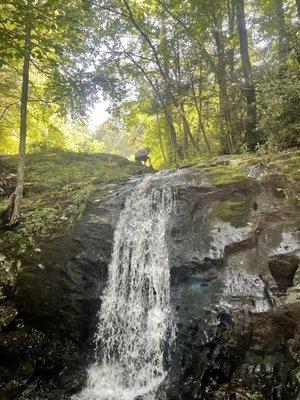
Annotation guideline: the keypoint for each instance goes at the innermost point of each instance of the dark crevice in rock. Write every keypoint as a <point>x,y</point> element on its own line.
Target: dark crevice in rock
<point>283,268</point>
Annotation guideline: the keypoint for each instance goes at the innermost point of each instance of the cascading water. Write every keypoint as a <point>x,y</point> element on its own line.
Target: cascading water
<point>135,324</point>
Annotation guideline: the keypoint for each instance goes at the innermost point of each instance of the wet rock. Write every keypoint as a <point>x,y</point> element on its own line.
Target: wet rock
<point>235,339</point>
<point>292,302</point>
<point>283,268</point>
<point>62,292</point>
<point>235,287</point>
<point>58,298</point>
<point>8,313</point>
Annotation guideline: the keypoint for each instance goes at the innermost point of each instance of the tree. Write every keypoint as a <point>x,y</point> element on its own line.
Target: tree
<point>23,111</point>
<point>183,70</point>
<point>281,28</point>
<point>251,135</point>
<point>298,7</point>
<point>43,47</point>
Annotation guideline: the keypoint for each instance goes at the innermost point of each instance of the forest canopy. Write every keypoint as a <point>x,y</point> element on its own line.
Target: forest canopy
<point>186,78</point>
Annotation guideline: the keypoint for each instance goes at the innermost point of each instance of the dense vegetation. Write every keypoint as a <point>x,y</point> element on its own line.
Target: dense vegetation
<point>205,76</point>
<point>185,78</point>
<point>211,83</point>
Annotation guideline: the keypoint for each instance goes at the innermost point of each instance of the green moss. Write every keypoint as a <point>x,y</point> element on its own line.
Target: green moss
<point>58,186</point>
<point>225,174</point>
<point>289,166</point>
<point>234,211</point>
<point>233,168</point>
<point>2,205</point>
<point>199,160</point>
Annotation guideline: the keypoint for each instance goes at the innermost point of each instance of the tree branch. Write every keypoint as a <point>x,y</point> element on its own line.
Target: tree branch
<point>147,39</point>
<point>7,107</point>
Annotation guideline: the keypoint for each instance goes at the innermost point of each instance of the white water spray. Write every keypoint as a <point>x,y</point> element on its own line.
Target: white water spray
<point>135,323</point>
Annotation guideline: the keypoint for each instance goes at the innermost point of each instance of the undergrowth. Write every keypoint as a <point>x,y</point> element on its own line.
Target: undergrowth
<point>56,192</point>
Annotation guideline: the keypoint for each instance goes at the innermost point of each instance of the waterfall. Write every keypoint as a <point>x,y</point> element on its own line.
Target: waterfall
<point>135,324</point>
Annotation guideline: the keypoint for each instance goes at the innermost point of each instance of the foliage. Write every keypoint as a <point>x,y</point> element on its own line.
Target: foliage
<point>177,70</point>
<point>280,111</point>
<point>57,40</point>
<point>173,73</point>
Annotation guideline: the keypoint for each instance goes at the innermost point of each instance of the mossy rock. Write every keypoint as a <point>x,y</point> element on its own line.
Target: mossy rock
<point>58,186</point>
<point>289,166</point>
<point>234,211</point>
<point>57,189</point>
<point>225,174</point>
<point>233,168</point>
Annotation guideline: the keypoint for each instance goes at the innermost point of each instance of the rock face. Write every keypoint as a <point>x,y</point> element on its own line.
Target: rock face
<point>48,317</point>
<point>58,300</point>
<point>235,288</point>
<point>235,293</point>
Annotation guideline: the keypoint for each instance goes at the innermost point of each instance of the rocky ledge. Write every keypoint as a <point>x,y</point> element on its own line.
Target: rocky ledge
<point>235,285</point>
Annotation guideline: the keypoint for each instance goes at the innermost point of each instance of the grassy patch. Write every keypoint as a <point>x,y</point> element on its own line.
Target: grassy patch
<point>59,184</point>
<point>288,166</point>
<point>56,192</point>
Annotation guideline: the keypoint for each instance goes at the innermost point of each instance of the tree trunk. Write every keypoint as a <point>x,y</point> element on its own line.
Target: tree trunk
<point>166,105</point>
<point>231,12</point>
<point>187,130</point>
<point>170,101</point>
<point>160,139</point>
<point>298,7</point>
<point>6,215</point>
<point>186,133</point>
<point>224,107</point>
<point>172,132</point>
<point>184,138</point>
<point>281,33</point>
<point>199,114</point>
<point>251,123</point>
<point>202,128</point>
<point>23,113</point>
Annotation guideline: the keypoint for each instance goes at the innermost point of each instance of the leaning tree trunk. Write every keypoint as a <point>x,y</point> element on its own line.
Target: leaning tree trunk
<point>281,34</point>
<point>23,113</point>
<point>251,123</point>
<point>160,138</point>
<point>221,76</point>
<point>185,136</point>
<point>231,15</point>
<point>175,154</point>
<point>298,7</point>
<point>198,107</point>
